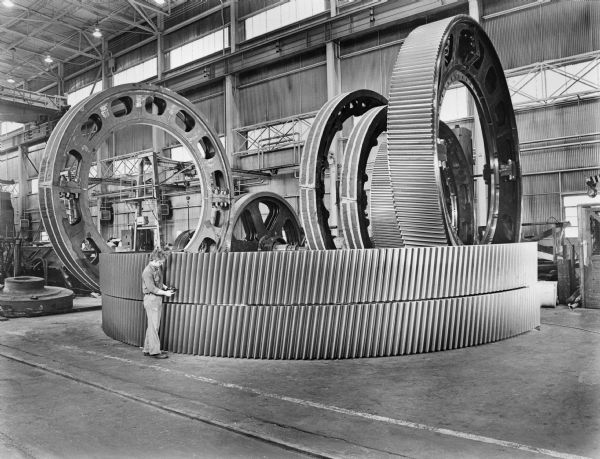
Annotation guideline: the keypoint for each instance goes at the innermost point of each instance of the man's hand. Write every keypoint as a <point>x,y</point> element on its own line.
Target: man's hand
<point>169,293</point>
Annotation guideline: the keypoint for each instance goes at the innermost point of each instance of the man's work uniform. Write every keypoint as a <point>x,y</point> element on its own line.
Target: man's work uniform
<point>152,283</point>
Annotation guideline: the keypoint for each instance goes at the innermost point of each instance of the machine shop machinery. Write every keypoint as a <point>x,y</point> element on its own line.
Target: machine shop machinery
<point>414,271</point>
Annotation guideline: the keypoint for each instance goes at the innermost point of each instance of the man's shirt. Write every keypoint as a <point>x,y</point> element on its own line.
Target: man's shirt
<point>152,280</point>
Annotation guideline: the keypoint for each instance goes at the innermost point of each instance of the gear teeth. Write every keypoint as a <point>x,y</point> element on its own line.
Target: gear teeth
<point>316,148</point>
<point>386,232</point>
<point>411,138</point>
<point>355,163</point>
<point>329,303</point>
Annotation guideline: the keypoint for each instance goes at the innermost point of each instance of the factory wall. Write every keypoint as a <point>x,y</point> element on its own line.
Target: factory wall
<point>544,31</point>
<point>526,33</point>
<point>298,85</point>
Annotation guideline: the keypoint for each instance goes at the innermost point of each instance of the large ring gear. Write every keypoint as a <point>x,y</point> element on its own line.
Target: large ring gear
<point>417,272</point>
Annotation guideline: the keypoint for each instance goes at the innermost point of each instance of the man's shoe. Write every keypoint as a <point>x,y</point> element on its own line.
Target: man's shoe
<point>160,356</point>
<point>146,354</point>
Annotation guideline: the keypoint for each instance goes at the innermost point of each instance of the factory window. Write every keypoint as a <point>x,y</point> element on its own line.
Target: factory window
<point>202,47</point>
<point>551,81</point>
<point>282,15</point>
<point>278,135</point>
<point>82,93</point>
<point>44,237</point>
<point>121,168</point>
<point>570,204</point>
<point>13,189</point>
<point>456,104</point>
<point>140,72</point>
<point>34,186</point>
<point>180,153</point>
<point>9,126</point>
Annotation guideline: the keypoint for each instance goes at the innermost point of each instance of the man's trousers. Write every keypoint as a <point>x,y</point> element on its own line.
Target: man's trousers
<point>153,307</point>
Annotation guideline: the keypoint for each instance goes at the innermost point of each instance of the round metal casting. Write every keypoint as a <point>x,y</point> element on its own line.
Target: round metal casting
<point>433,57</point>
<point>456,175</point>
<point>328,303</point>
<point>73,147</point>
<point>354,201</point>
<point>25,296</point>
<point>262,221</point>
<point>328,122</point>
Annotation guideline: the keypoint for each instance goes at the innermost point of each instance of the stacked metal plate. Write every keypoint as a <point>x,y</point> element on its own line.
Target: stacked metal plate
<point>329,304</point>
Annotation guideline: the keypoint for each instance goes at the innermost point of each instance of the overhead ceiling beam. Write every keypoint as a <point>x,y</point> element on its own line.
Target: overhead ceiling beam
<point>41,28</point>
<point>96,10</point>
<point>113,15</point>
<point>12,46</point>
<point>27,64</point>
<point>143,14</point>
<point>150,7</point>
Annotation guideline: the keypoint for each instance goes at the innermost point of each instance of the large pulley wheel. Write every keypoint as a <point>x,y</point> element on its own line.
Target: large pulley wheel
<point>328,122</point>
<point>263,221</point>
<point>73,146</point>
<point>433,57</point>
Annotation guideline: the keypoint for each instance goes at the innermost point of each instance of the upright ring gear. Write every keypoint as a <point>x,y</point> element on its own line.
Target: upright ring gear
<point>261,221</point>
<point>353,209</point>
<point>432,57</point>
<point>457,187</point>
<point>73,146</point>
<point>313,213</point>
<point>384,227</point>
<point>456,173</point>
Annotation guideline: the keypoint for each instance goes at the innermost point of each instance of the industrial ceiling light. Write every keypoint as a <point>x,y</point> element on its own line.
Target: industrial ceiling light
<point>97,32</point>
<point>48,59</point>
<point>10,80</point>
<point>8,3</point>
<point>159,2</point>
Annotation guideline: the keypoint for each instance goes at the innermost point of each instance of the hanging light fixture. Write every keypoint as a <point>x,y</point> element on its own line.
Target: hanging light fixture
<point>97,32</point>
<point>159,2</point>
<point>8,3</point>
<point>10,80</point>
<point>48,59</point>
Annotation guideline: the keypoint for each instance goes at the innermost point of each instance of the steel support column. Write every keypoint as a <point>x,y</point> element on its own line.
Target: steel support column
<point>232,116</point>
<point>334,88</point>
<point>23,188</point>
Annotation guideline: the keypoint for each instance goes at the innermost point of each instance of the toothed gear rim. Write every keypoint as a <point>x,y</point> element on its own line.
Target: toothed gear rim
<point>353,210</point>
<point>432,57</point>
<point>328,122</point>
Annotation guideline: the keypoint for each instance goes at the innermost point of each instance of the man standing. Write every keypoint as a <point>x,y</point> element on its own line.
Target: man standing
<point>154,290</point>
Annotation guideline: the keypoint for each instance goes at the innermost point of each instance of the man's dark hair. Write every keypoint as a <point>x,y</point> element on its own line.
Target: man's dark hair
<point>158,255</point>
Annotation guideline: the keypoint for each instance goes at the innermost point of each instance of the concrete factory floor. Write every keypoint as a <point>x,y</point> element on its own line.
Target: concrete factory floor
<point>69,391</point>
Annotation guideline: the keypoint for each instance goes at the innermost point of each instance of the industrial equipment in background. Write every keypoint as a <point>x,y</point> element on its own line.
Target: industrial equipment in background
<point>247,287</point>
<point>588,216</point>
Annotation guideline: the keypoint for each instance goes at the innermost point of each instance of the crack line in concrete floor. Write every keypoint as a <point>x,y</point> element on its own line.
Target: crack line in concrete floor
<point>569,326</point>
<point>180,412</point>
<point>12,443</point>
<point>332,408</point>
